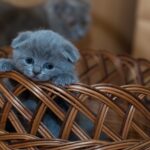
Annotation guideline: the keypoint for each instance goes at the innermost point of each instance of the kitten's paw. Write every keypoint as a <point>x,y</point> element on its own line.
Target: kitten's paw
<point>63,80</point>
<point>5,65</point>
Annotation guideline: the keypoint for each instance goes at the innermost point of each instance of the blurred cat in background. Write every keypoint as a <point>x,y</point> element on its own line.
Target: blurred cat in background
<point>70,18</point>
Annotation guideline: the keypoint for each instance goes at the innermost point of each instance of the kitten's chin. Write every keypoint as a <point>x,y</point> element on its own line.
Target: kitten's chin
<point>35,78</point>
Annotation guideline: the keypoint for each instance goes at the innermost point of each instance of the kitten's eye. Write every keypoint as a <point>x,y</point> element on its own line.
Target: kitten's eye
<point>29,60</point>
<point>48,66</point>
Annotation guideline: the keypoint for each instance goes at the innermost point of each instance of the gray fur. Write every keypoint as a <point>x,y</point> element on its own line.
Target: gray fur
<point>70,18</point>
<point>5,65</point>
<point>44,47</point>
<point>73,17</point>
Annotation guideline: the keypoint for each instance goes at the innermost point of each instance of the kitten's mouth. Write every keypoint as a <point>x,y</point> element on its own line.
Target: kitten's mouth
<point>35,78</point>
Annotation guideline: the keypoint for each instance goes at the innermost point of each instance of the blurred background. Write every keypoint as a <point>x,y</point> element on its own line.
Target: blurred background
<point>121,26</point>
<point>113,24</point>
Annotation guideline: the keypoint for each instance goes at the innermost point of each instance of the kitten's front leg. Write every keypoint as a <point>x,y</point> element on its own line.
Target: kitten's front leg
<point>64,79</point>
<point>6,65</point>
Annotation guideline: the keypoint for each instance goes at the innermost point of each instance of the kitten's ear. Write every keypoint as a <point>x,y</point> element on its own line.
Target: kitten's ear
<point>71,53</point>
<point>20,38</point>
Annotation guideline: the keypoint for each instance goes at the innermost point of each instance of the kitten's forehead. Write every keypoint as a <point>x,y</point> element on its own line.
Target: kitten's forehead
<point>46,38</point>
<point>45,42</point>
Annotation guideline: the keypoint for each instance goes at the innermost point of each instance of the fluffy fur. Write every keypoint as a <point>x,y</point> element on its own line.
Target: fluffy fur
<point>73,17</point>
<point>42,56</point>
<point>70,18</point>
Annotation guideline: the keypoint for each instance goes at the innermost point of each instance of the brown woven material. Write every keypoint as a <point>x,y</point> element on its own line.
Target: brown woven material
<point>119,114</point>
<point>104,67</point>
<point>25,141</point>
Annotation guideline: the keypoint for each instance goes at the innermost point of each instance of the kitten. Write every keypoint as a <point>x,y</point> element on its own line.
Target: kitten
<point>42,56</point>
<point>70,18</point>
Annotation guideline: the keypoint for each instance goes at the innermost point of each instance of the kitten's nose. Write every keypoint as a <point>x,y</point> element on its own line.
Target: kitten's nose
<point>36,70</point>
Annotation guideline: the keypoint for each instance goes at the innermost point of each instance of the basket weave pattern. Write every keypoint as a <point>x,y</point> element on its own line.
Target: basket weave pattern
<point>119,114</point>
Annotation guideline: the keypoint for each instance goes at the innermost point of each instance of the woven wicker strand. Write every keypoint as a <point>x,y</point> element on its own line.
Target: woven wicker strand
<point>114,96</point>
<point>28,141</point>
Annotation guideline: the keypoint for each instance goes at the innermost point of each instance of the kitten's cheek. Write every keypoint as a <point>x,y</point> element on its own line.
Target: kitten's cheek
<point>28,74</point>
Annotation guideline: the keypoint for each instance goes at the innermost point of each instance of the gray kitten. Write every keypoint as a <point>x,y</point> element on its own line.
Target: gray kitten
<point>70,18</point>
<point>42,56</point>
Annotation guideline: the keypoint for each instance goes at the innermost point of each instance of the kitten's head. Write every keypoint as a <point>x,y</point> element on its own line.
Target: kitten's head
<point>71,18</point>
<point>42,55</point>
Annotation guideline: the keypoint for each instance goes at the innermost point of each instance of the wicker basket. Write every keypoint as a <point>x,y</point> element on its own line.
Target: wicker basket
<point>112,98</point>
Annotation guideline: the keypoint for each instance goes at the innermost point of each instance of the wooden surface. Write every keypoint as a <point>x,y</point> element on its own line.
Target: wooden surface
<point>142,30</point>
